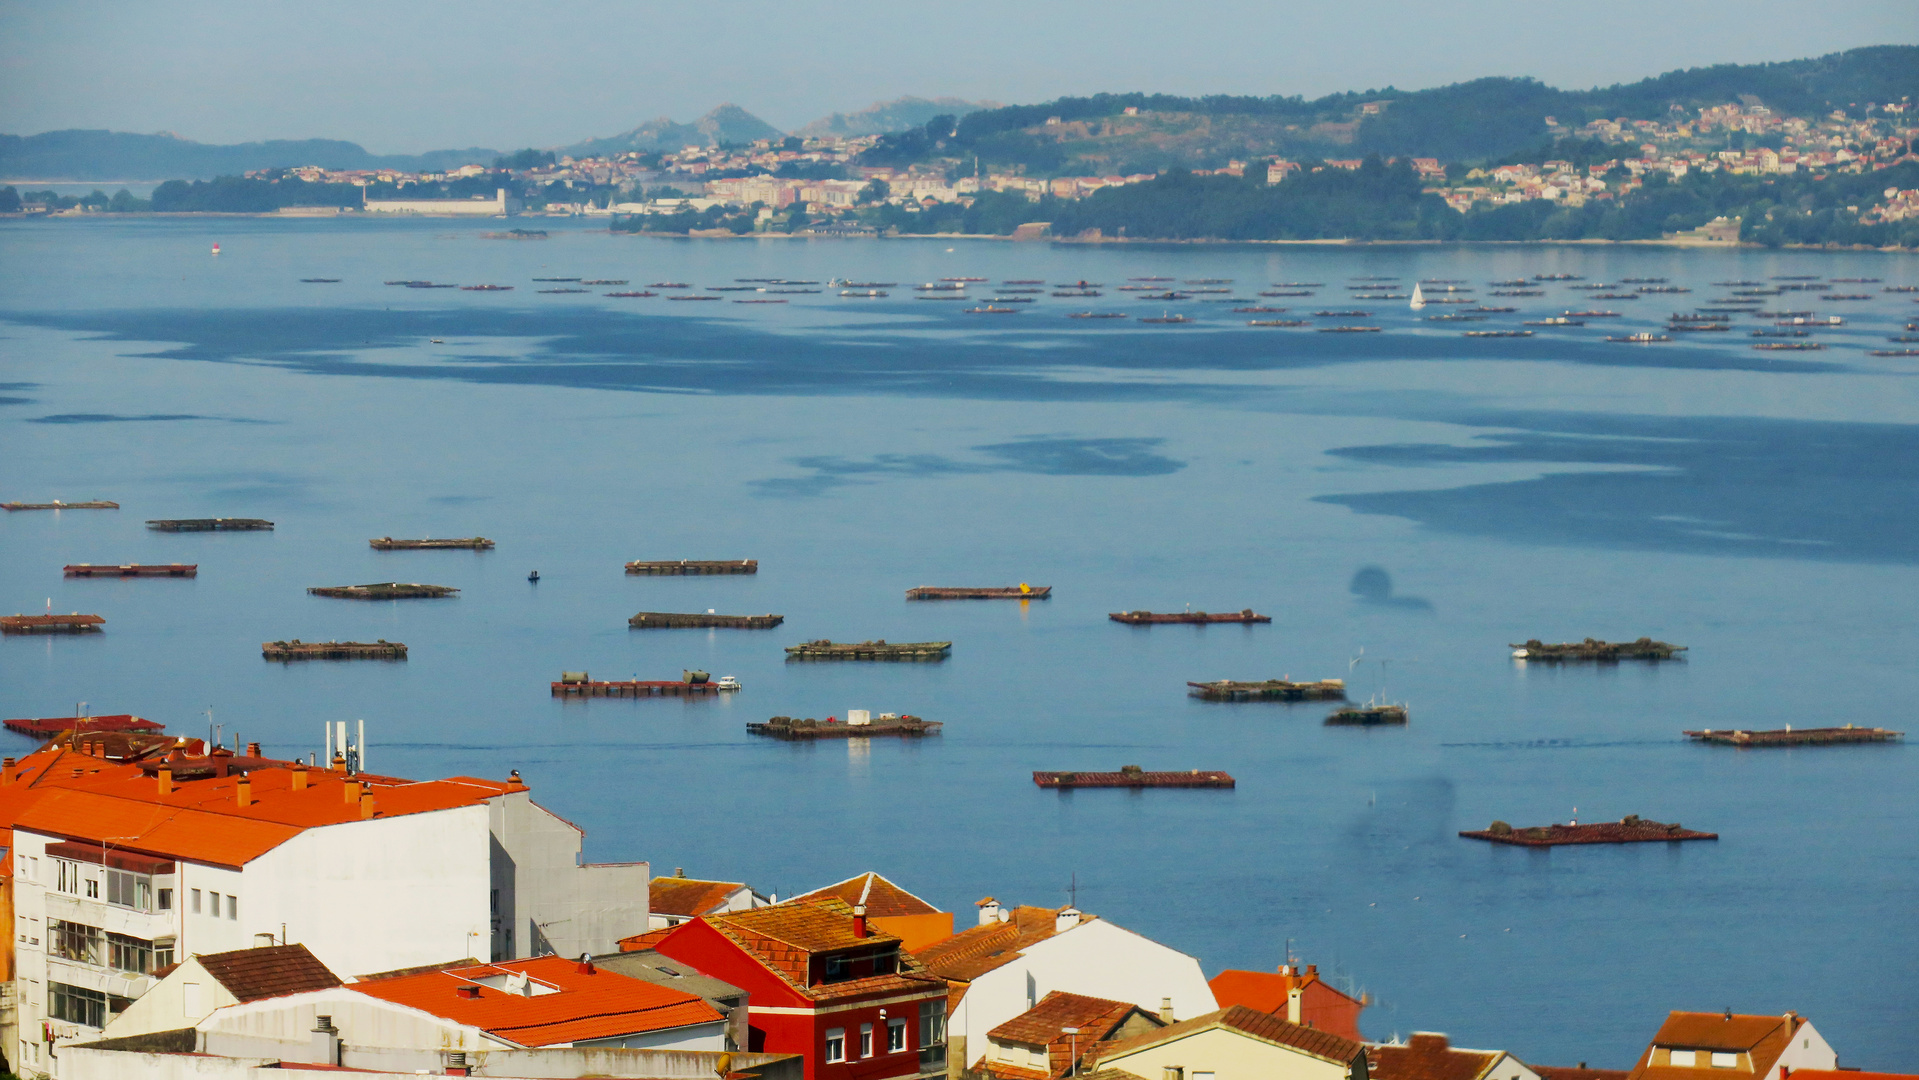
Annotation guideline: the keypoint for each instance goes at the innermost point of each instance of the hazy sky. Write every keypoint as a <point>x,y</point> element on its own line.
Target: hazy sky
<point>406,76</point>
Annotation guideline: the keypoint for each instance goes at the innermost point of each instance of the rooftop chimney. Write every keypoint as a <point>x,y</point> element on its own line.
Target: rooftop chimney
<point>1065,919</point>
<point>989,910</point>
<point>166,780</point>
<point>586,965</point>
<point>1166,1009</point>
<point>1295,1005</point>
<point>326,1041</point>
<point>350,792</point>
<point>299,779</point>
<point>679,871</point>
<point>859,920</point>
<point>253,749</point>
<point>468,991</point>
<point>514,778</point>
<point>243,792</point>
<point>6,772</point>
<point>338,764</point>
<point>366,806</point>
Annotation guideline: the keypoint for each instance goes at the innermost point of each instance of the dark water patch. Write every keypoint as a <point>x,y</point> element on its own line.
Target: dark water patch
<point>1374,588</point>
<point>1708,485</point>
<point>115,418</point>
<point>1041,455</point>
<point>935,355</point>
<point>15,401</point>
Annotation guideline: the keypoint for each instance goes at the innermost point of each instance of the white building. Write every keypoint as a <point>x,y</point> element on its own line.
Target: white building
<point>123,868</point>
<point>1015,957</point>
<point>477,206</point>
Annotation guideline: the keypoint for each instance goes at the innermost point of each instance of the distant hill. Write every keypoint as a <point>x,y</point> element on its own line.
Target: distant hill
<point>884,117</point>
<point>114,155</point>
<point>727,124</point>
<point>1465,121</point>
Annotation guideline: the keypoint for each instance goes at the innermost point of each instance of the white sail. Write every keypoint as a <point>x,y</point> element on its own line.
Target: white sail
<point>1419,298</point>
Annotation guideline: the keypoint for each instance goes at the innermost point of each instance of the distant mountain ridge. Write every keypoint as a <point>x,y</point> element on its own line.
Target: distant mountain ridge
<point>885,117</point>
<point>83,155</point>
<point>726,124</point>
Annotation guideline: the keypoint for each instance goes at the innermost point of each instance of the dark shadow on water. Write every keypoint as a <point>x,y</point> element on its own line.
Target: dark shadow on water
<point>1041,455</point>
<point>1711,485</point>
<point>1374,588</point>
<point>112,418</point>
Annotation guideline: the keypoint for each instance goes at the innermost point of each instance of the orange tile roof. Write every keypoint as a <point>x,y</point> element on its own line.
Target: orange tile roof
<point>642,942</point>
<point>784,937</point>
<point>1763,1038</point>
<point>583,1006</point>
<point>1428,1056</point>
<point>687,897</point>
<point>977,950</point>
<point>1580,1072</point>
<point>1098,1020</point>
<point>202,820</point>
<point>1250,1022</point>
<point>1848,1074</point>
<point>1266,991</point>
<point>883,898</point>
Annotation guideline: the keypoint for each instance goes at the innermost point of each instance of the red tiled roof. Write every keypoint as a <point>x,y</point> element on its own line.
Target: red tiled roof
<point>1097,1020</point>
<point>269,971</point>
<point>883,898</point>
<point>1428,1056</point>
<point>1249,1022</point>
<point>642,942</point>
<point>977,950</point>
<point>1580,1072</point>
<point>784,937</point>
<point>1764,1038</point>
<point>1848,1074</point>
<point>599,1005</point>
<point>687,897</point>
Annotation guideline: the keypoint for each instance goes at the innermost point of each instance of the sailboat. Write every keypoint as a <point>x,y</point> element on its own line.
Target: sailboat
<point>1419,298</point>
<point>216,249</point>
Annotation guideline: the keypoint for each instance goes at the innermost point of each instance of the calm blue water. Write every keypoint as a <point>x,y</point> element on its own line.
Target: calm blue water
<point>1757,507</point>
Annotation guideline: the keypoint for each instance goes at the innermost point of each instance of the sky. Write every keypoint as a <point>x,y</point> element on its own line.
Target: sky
<point>403,76</point>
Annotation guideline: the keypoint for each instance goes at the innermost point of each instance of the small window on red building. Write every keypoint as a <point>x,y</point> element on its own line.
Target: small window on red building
<point>866,1040</point>
<point>835,1045</point>
<point>895,1036</point>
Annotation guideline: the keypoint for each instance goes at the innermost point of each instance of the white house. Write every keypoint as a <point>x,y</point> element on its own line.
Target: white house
<point>1238,1043</point>
<point>1016,956</point>
<point>199,985</point>
<point>122,868</point>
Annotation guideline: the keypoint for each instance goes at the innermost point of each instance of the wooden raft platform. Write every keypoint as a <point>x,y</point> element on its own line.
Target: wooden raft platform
<point>1592,649</point>
<point>1367,716</point>
<point>1631,829</point>
<point>869,650</point>
<point>56,725</point>
<point>693,566</point>
<point>333,650</point>
<point>668,620</point>
<point>385,590</point>
<point>75,623</point>
<point>1132,776</point>
<point>210,524</point>
<point>387,543</point>
<point>133,570</point>
<point>91,504</point>
<point>1016,592</point>
<point>1152,618</point>
<point>1270,690</point>
<point>1790,736</point>
<point>785,727</point>
<point>634,688</point>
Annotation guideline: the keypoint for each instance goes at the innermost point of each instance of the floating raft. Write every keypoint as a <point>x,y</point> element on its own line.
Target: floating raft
<point>785,727</point>
<point>1016,592</point>
<point>387,543</point>
<point>568,687</point>
<point>1790,736</point>
<point>1367,716</point>
<point>333,650</point>
<point>1132,776</point>
<point>693,566</point>
<point>385,590</point>
<point>91,724</point>
<point>1631,829</point>
<point>1148,618</point>
<point>75,623</point>
<point>666,620</point>
<point>94,504</point>
<point>210,524</point>
<point>87,569</point>
<point>1596,650</point>
<point>1270,690</point>
<point>869,650</point>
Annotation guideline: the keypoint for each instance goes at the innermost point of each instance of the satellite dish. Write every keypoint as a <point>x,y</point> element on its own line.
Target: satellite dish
<point>724,1065</point>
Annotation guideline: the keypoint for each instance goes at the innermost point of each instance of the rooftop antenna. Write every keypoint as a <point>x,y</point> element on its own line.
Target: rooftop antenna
<point>1072,891</point>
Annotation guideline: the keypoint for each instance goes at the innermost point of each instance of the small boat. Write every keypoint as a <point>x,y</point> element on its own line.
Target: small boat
<point>1419,298</point>
<point>436,341</point>
<point>216,249</point>
<point>534,577</point>
<point>726,682</point>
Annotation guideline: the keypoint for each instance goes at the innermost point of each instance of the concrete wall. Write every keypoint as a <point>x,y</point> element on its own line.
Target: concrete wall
<point>545,900</point>
<point>271,1026</point>
<point>1095,958</point>
<point>1227,1055</point>
<point>494,207</point>
<point>184,998</point>
<point>87,1064</point>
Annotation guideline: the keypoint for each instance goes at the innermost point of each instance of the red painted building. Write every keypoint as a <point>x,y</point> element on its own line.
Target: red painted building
<point>822,982</point>
<point>1299,997</point>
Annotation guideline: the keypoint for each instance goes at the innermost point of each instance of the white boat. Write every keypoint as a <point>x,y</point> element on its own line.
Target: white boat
<point>216,249</point>
<point>1419,298</point>
<point>726,682</point>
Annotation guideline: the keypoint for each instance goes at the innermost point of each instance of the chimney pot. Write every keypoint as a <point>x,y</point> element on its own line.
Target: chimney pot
<point>586,965</point>
<point>859,920</point>
<point>514,778</point>
<point>299,780</point>
<point>1312,969</point>
<point>679,871</point>
<point>469,991</point>
<point>366,806</point>
<point>351,791</point>
<point>1166,1009</point>
<point>253,749</point>
<point>243,792</point>
<point>166,780</point>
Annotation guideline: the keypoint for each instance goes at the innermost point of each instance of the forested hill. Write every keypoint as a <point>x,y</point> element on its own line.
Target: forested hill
<point>1471,120</point>
<point>116,155</point>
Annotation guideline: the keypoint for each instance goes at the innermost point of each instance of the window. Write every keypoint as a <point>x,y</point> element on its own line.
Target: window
<point>33,868</point>
<point>66,876</point>
<point>1683,1059</point>
<point>896,1035</point>
<point>134,954</point>
<point>932,1033</point>
<point>835,969</point>
<point>73,941</point>
<point>166,899</point>
<point>162,953</point>
<point>835,1045</point>
<point>77,1005</point>
<point>1724,1061</point>
<point>866,1040</point>
<point>233,906</point>
<point>213,903</point>
<point>129,890</point>
<point>196,901</point>
<point>93,888</point>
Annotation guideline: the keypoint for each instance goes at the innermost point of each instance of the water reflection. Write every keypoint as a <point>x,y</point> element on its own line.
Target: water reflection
<point>1374,588</point>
